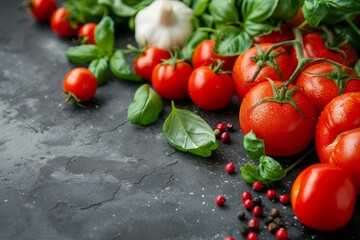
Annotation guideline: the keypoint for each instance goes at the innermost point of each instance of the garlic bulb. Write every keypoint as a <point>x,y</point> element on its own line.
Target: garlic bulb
<point>164,23</point>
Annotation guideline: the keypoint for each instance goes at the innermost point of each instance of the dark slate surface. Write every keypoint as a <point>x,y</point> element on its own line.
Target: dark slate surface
<point>70,173</point>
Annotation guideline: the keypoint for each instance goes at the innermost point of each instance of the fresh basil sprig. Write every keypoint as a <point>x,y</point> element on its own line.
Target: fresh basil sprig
<point>145,107</point>
<point>188,132</point>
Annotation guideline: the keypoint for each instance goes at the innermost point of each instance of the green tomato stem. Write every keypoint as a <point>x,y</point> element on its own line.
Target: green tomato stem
<point>353,25</point>
<point>297,162</point>
<point>207,29</point>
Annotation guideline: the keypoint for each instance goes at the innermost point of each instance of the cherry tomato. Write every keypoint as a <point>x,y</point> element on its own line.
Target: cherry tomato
<point>86,33</point>
<point>322,82</point>
<point>284,130</point>
<point>170,79</point>
<point>315,47</point>
<point>145,63</point>
<point>61,25</point>
<point>323,197</point>
<point>337,136</point>
<point>80,84</point>
<point>42,9</point>
<point>204,54</point>
<point>284,34</point>
<point>245,67</point>
<point>210,88</point>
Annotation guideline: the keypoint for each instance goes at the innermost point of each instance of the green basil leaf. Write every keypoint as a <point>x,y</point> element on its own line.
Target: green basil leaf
<point>85,11</point>
<point>254,147</point>
<point>250,174</point>
<point>145,107</point>
<point>258,10</point>
<point>99,68</point>
<point>223,11</point>
<point>357,67</point>
<point>119,8</point>
<point>83,53</point>
<point>199,6</point>
<point>262,28</point>
<point>314,11</point>
<point>207,20</point>
<point>120,67</point>
<point>191,43</point>
<point>286,9</point>
<point>270,169</point>
<point>105,34</point>
<point>351,6</point>
<point>232,41</point>
<point>188,132</point>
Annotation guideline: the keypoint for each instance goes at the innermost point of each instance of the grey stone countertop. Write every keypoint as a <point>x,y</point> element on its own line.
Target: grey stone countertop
<point>73,173</point>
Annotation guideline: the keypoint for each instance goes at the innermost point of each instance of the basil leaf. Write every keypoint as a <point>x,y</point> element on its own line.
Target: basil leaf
<point>145,107</point>
<point>191,43</point>
<point>256,29</point>
<point>199,6</point>
<point>85,11</point>
<point>286,9</point>
<point>270,169</point>
<point>258,10</point>
<point>357,67</point>
<point>83,53</point>
<point>105,34</point>
<point>314,11</point>
<point>99,68</point>
<point>232,41</point>
<point>188,132</point>
<point>250,174</point>
<point>344,5</point>
<point>120,67</point>
<point>119,8</point>
<point>223,11</point>
<point>254,147</point>
<point>207,20</point>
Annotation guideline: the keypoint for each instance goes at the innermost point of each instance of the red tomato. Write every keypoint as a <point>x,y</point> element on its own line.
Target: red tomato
<point>171,80</point>
<point>314,47</point>
<point>322,89</point>
<point>245,67</point>
<point>210,89</point>
<point>323,197</point>
<point>337,136</point>
<point>204,54</point>
<point>42,9</point>
<point>298,19</point>
<point>61,25</point>
<point>284,34</point>
<point>86,33</point>
<point>285,132</point>
<point>80,84</point>
<point>145,63</point>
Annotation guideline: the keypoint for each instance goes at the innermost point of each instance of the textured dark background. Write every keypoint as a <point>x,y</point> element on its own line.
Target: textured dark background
<point>70,173</point>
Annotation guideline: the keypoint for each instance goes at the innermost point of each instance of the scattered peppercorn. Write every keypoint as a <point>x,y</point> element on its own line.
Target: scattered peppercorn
<point>257,201</point>
<point>246,195</point>
<point>244,230</point>
<point>248,204</point>
<point>275,212</point>
<point>230,127</point>
<point>257,211</point>
<point>220,200</point>
<point>241,216</point>
<point>225,137</point>
<point>281,234</point>
<point>217,133</point>
<point>257,186</point>
<point>221,127</point>
<point>252,236</point>
<point>253,224</point>
<point>268,220</point>
<point>279,221</point>
<point>230,168</point>
<point>284,199</point>
<point>272,227</point>
<point>271,194</point>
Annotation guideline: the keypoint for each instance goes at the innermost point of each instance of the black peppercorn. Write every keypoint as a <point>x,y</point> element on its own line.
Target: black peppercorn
<point>244,230</point>
<point>241,215</point>
<point>275,212</point>
<point>268,220</point>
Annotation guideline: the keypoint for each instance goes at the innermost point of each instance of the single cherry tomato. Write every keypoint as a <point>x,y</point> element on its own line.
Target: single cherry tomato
<point>245,68</point>
<point>204,55</point>
<point>337,137</point>
<point>323,197</point>
<point>41,9</point>
<point>86,33</point>
<point>170,78</point>
<point>323,81</point>
<point>285,130</point>
<point>314,46</point>
<point>210,88</point>
<point>145,63</point>
<point>61,25</point>
<point>80,84</point>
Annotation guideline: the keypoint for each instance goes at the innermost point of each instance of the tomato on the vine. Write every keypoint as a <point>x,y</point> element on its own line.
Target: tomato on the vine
<point>277,66</point>
<point>210,88</point>
<point>145,63</point>
<point>323,197</point>
<point>283,34</point>
<point>80,84</point>
<point>170,78</point>
<point>204,55</point>
<point>286,126</point>
<point>86,33</point>
<point>61,25</point>
<point>42,9</point>
<point>314,46</point>
<point>323,81</point>
<point>337,136</point>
